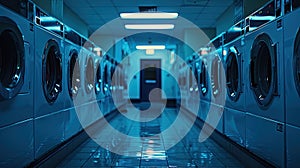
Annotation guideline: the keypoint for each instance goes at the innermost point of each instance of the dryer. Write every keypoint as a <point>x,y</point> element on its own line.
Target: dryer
<point>72,78</point>
<point>292,80</point>
<point>233,53</point>
<point>49,101</point>
<point>265,84</point>
<point>16,83</point>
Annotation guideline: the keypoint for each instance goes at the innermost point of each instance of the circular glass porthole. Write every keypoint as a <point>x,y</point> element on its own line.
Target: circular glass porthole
<point>105,79</point>
<point>89,75</point>
<point>233,74</point>
<point>52,71</point>
<point>296,65</point>
<point>215,76</point>
<point>74,81</point>
<point>196,72</point>
<point>98,80</point>
<point>12,61</point>
<point>263,70</point>
<point>203,79</point>
<point>112,71</point>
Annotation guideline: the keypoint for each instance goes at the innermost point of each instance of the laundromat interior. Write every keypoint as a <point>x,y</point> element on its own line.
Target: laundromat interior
<point>139,83</point>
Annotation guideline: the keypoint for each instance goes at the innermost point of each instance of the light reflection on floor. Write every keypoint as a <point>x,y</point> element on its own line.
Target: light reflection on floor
<point>150,150</point>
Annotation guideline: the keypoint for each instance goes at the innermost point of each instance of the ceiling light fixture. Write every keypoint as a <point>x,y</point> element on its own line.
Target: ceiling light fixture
<point>150,47</point>
<point>149,26</point>
<point>149,15</point>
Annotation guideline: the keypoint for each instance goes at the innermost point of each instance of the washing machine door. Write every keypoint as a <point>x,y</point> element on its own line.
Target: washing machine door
<point>263,72</point>
<point>98,79</point>
<point>296,61</point>
<point>112,73</point>
<point>216,68</point>
<point>203,81</point>
<point>196,72</point>
<point>105,86</point>
<point>12,59</point>
<point>89,75</point>
<point>233,74</point>
<point>52,71</point>
<point>74,79</point>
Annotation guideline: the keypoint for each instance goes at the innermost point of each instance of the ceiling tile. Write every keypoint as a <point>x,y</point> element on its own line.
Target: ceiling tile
<point>125,2</point>
<point>105,10</point>
<point>100,3</point>
<point>128,9</point>
<point>191,9</point>
<point>168,8</point>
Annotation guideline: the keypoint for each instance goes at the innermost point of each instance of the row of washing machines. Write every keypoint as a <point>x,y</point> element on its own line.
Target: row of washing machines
<point>52,80</point>
<point>250,77</point>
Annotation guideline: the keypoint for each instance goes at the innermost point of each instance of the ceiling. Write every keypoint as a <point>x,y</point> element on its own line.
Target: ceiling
<point>96,13</point>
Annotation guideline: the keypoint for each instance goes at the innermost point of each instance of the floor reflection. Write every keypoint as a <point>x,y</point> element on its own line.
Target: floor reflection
<point>150,148</point>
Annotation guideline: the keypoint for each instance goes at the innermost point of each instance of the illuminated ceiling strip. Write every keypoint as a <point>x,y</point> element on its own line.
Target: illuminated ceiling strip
<point>147,47</point>
<point>145,15</point>
<point>149,26</point>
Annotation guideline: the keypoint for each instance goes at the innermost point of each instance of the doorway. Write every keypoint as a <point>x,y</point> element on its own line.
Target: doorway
<point>150,79</point>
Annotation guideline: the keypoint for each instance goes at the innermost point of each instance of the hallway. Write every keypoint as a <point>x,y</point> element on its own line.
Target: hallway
<point>151,150</point>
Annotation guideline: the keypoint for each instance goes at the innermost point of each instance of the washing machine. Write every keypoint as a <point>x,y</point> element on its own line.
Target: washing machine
<point>98,73</point>
<point>233,54</point>
<point>217,71</point>
<point>105,89</point>
<point>264,82</point>
<point>113,84</point>
<point>292,80</point>
<point>16,80</point>
<point>88,71</point>
<point>118,99</point>
<point>106,75</point>
<point>183,93</point>
<point>49,101</point>
<point>204,80</point>
<point>72,78</point>
<point>217,83</point>
<point>205,94</point>
<point>189,71</point>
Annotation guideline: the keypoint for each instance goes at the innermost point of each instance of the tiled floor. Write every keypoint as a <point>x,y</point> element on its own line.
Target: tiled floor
<point>150,148</point>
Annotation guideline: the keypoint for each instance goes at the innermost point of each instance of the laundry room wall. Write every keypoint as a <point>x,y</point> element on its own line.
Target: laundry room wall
<point>45,5</point>
<point>73,20</point>
<point>229,17</point>
<point>250,6</point>
<point>169,85</point>
<point>53,7</point>
<point>226,20</point>
<point>191,37</point>
<point>59,10</point>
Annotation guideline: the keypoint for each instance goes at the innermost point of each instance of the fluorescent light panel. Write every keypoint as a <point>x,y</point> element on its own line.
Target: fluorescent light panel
<point>150,47</point>
<point>149,26</point>
<point>154,15</point>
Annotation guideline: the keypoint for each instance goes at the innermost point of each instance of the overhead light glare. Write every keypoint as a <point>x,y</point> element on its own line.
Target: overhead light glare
<point>149,15</point>
<point>149,26</point>
<point>150,47</point>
